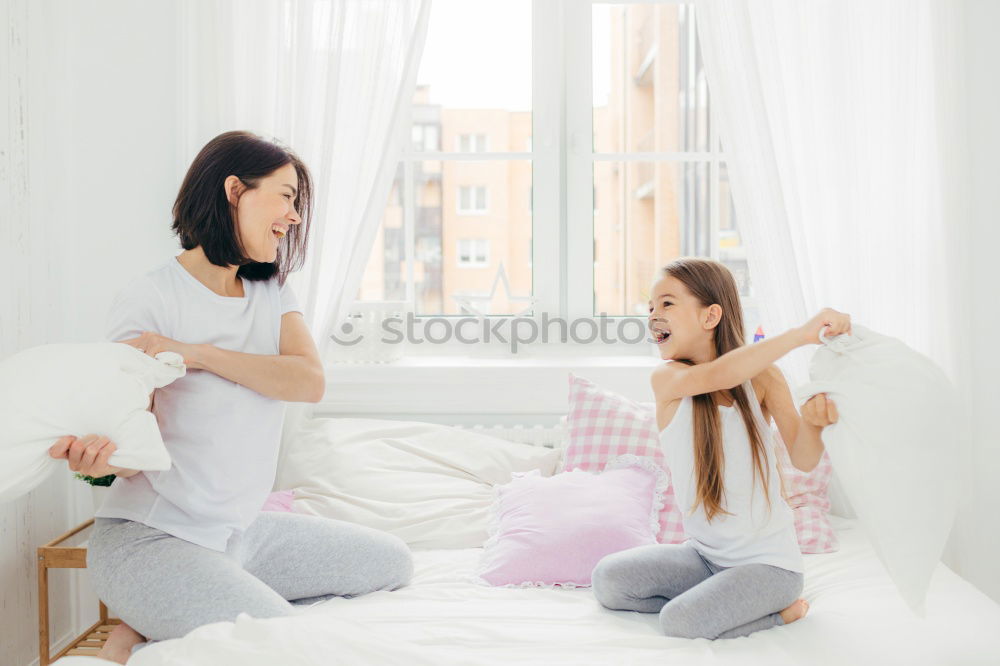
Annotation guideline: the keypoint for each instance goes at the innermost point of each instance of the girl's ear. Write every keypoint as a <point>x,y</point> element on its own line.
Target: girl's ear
<point>711,316</point>
<point>233,188</point>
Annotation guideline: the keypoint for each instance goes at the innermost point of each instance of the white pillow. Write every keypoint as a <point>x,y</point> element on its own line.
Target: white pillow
<point>894,449</point>
<point>76,389</point>
<point>430,485</point>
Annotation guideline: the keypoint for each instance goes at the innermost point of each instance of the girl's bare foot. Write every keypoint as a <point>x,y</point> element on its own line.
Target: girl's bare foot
<point>796,611</point>
<point>118,647</point>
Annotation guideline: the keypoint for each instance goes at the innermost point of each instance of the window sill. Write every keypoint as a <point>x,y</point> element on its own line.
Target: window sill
<point>477,389</point>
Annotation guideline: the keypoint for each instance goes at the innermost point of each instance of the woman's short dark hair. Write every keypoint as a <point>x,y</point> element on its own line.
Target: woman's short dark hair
<point>203,215</point>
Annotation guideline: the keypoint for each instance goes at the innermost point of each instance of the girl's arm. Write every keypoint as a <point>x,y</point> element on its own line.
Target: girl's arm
<point>801,434</point>
<point>818,413</point>
<point>672,381</point>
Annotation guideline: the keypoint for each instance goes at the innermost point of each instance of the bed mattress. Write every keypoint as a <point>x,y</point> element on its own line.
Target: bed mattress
<point>856,617</point>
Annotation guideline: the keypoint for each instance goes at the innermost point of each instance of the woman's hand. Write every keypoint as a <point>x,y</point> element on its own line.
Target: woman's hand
<point>819,411</point>
<point>152,344</point>
<point>838,322</point>
<point>87,455</point>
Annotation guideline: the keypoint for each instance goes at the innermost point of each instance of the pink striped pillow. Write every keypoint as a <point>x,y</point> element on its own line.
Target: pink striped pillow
<point>602,426</point>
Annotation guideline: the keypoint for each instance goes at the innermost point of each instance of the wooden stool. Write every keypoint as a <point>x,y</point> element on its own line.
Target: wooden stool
<point>68,551</point>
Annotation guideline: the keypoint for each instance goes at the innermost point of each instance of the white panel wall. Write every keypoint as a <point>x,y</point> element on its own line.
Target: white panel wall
<point>88,172</point>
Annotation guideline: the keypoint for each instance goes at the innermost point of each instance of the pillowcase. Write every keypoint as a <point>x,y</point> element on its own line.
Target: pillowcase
<point>49,391</point>
<point>554,531</point>
<point>806,493</point>
<point>894,448</point>
<point>602,425</point>
<point>280,501</point>
<point>430,485</point>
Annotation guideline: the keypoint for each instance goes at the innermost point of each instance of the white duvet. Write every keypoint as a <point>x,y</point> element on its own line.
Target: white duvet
<point>856,617</point>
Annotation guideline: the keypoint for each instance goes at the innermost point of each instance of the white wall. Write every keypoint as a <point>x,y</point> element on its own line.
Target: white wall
<point>974,550</point>
<point>88,162</point>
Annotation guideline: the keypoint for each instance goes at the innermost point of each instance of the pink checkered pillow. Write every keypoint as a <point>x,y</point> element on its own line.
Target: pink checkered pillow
<point>806,493</point>
<point>602,426</point>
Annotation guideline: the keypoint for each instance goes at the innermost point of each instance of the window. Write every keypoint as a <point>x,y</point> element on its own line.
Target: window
<point>656,163</point>
<point>425,137</point>
<point>579,225</point>
<point>471,199</point>
<point>473,252</point>
<point>475,87</point>
<point>472,143</point>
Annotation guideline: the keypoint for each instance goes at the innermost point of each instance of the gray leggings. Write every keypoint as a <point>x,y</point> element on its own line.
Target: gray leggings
<point>164,587</point>
<point>695,597</point>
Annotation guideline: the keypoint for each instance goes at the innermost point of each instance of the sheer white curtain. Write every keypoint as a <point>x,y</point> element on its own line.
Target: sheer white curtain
<point>841,124</point>
<point>831,119</point>
<point>333,80</point>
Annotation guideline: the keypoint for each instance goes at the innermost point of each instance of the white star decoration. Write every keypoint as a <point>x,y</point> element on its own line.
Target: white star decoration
<point>468,301</point>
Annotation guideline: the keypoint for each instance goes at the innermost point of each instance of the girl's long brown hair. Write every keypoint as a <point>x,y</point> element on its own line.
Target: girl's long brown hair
<point>711,282</point>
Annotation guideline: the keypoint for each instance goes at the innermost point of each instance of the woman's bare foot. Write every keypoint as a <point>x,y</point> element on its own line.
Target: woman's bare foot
<point>118,647</point>
<point>796,611</point>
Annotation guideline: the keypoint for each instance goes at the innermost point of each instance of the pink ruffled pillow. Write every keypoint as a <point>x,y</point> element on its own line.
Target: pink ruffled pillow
<point>554,530</point>
<point>280,500</point>
<point>602,426</point>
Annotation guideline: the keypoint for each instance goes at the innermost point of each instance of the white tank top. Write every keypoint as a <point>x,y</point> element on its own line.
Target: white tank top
<point>751,534</point>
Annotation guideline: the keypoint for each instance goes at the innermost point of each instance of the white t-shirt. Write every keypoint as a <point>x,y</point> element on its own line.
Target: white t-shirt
<point>222,437</point>
<point>753,534</point>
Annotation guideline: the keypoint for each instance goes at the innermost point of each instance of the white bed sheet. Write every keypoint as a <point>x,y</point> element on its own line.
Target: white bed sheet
<point>856,617</point>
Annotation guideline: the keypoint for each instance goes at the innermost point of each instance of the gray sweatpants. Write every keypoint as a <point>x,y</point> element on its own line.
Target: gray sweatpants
<point>695,597</point>
<point>163,586</point>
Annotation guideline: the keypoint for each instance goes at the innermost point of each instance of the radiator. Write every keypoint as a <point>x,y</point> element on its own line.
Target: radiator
<point>551,436</point>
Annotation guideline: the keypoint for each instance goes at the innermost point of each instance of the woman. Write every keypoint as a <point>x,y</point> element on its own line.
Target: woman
<point>188,546</point>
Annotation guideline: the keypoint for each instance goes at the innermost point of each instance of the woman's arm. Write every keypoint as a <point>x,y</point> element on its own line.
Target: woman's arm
<point>88,455</point>
<point>295,374</point>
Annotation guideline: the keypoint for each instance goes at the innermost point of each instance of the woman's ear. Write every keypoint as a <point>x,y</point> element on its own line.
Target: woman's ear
<point>233,187</point>
<point>712,316</point>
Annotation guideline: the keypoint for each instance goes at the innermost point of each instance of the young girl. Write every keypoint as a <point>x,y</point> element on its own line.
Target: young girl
<point>740,570</point>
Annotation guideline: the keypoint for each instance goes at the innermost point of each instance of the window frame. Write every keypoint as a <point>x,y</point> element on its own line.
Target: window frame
<point>561,151</point>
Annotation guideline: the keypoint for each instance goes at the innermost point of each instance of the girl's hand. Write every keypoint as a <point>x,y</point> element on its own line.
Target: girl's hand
<point>152,344</point>
<point>838,322</point>
<point>820,411</point>
<point>87,455</point>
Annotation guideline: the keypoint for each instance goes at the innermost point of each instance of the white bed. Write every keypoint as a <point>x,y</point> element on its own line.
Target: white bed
<point>856,617</point>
